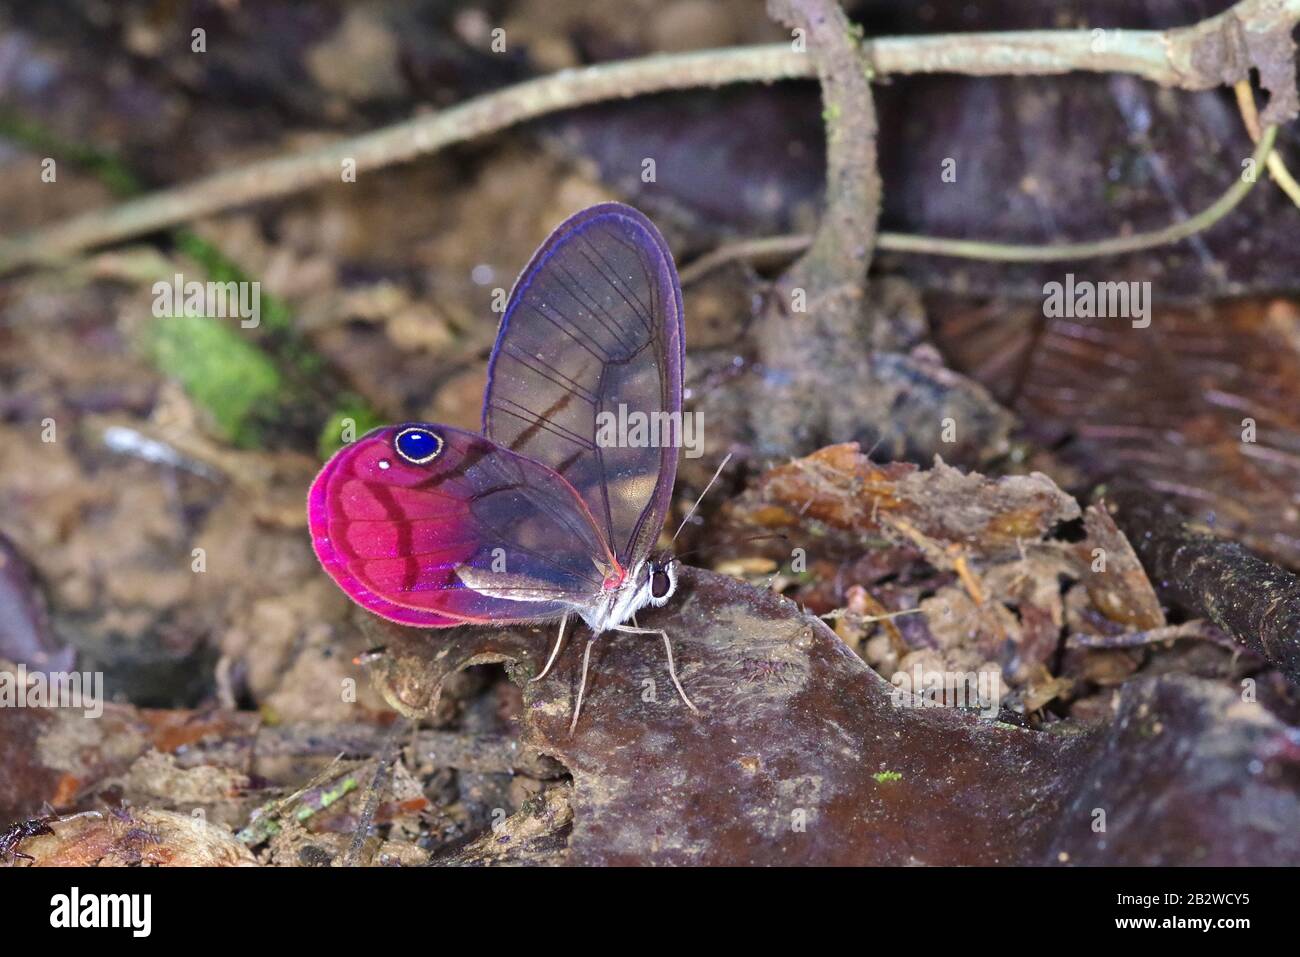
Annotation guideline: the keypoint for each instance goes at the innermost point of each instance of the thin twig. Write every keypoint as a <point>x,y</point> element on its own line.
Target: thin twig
<point>265,820</point>
<point>379,784</point>
<point>405,141</point>
<point>1179,58</point>
<point>1007,252</point>
<point>748,250</point>
<point>1196,628</point>
<point>1250,118</point>
<point>839,613</point>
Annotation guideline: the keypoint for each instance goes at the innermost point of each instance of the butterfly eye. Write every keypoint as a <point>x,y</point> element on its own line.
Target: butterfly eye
<point>417,446</point>
<point>660,583</point>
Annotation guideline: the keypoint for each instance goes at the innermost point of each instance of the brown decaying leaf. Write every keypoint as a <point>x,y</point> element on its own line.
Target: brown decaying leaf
<point>1009,591</point>
<point>842,488</point>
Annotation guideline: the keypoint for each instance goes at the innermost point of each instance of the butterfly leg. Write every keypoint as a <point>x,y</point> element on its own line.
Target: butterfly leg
<point>582,684</point>
<point>668,646</point>
<point>554,654</point>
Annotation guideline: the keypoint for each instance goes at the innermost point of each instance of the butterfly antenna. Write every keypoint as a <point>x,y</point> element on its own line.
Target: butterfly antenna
<point>728,542</point>
<point>701,498</point>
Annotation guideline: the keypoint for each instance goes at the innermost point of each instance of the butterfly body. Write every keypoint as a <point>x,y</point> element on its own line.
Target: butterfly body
<point>540,517</point>
<point>622,599</point>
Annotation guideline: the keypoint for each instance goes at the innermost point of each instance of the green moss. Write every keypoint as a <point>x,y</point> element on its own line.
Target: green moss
<point>303,366</point>
<point>111,171</point>
<point>886,776</point>
<point>274,314</point>
<point>224,373</point>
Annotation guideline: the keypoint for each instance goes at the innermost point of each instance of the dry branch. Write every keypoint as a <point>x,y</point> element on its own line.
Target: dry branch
<point>1219,50</point>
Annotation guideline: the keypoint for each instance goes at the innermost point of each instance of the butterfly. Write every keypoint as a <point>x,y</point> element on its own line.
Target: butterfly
<point>544,515</point>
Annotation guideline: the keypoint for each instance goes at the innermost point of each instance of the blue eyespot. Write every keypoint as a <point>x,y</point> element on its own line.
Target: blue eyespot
<point>417,446</point>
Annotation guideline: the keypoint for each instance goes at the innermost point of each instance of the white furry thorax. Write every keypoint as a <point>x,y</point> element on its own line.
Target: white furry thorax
<point>617,606</point>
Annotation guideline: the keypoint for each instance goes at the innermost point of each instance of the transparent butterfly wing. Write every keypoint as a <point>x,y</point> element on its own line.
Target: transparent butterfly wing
<point>479,534</point>
<point>593,330</point>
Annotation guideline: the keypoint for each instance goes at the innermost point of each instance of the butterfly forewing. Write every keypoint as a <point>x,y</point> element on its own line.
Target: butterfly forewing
<point>586,375</point>
<point>477,533</point>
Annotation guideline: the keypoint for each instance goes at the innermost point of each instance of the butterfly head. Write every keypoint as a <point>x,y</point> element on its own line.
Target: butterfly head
<point>662,578</point>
